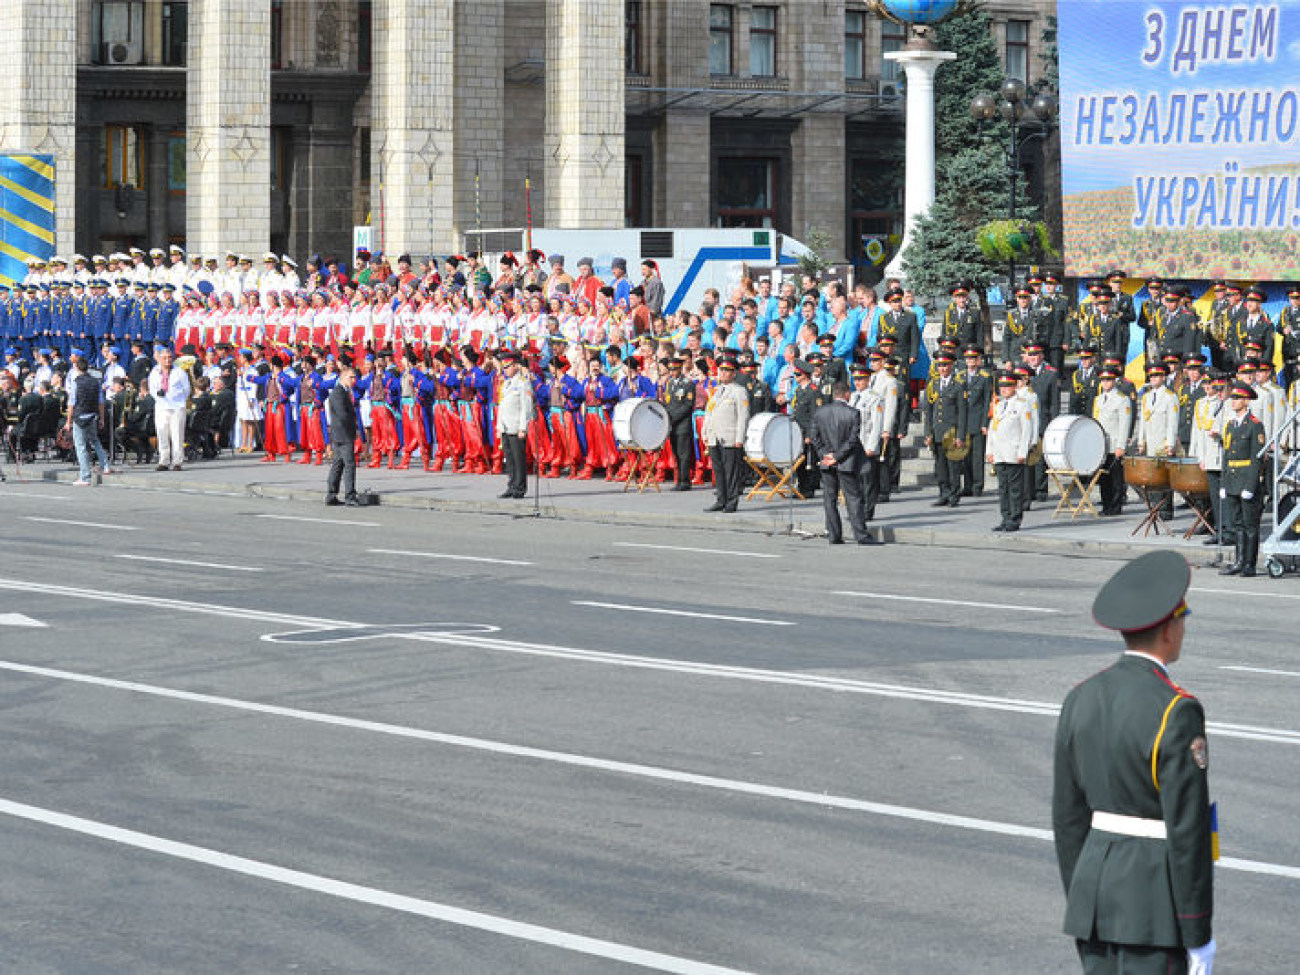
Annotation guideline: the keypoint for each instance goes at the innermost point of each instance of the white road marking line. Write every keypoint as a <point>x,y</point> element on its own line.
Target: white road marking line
<point>316,883</point>
<point>442,555</point>
<point>680,612</point>
<point>201,565</point>
<point>607,658</point>
<point>948,602</point>
<point>321,521</point>
<point>1262,670</point>
<point>1246,592</point>
<point>33,494</point>
<point>655,772</point>
<point>18,619</point>
<point>83,524</point>
<point>707,551</point>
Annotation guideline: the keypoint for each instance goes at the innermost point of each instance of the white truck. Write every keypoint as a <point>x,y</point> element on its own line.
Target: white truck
<point>690,259</point>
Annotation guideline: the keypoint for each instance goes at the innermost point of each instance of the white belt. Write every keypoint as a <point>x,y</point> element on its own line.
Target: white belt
<point>1152,829</point>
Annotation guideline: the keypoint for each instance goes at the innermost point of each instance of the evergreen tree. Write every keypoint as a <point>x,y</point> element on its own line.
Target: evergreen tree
<point>978,68</point>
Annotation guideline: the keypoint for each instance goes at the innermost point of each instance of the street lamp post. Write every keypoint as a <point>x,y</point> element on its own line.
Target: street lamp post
<point>1036,116</point>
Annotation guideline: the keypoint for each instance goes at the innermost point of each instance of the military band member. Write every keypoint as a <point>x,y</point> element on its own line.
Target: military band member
<point>1208,419</point>
<point>961,320</point>
<point>1244,438</point>
<point>725,422</point>
<point>978,383</point>
<point>1057,308</point>
<point>1046,385</point>
<point>803,403</point>
<point>1288,332</point>
<point>678,396</point>
<point>944,414</point>
<point>1114,411</point>
<point>1020,328</point>
<point>1122,305</point>
<point>1083,384</point>
<point>871,408</point>
<point>1190,389</point>
<point>1156,434</point>
<point>902,418</point>
<point>900,324</point>
<point>883,385</point>
<point>1011,433</point>
<point>1252,325</point>
<point>1102,328</point>
<point>1131,812</point>
<point>1173,331</point>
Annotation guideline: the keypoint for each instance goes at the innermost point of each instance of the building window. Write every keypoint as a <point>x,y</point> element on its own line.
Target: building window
<point>119,157</point>
<point>721,16</point>
<point>762,42</point>
<point>277,34</point>
<point>365,35</point>
<point>281,159</point>
<point>1018,49</point>
<point>632,37</point>
<point>746,192</point>
<point>892,38</point>
<point>176,32</point>
<point>176,162</point>
<point>117,30</point>
<point>855,45</point>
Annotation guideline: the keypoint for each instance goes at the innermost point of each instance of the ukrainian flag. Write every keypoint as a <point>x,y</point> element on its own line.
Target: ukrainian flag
<point>26,213</point>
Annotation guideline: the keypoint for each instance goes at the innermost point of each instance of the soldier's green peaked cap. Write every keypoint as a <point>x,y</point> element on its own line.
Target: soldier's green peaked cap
<point>1143,593</point>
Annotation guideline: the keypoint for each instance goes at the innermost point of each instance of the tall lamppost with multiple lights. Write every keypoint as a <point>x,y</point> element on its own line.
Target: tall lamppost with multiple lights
<point>1028,119</point>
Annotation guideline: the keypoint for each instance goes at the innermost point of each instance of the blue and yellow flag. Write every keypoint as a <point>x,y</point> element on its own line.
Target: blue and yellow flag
<point>26,213</point>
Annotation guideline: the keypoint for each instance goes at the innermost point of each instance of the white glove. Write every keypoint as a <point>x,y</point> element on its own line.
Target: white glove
<point>1201,960</point>
<point>1223,493</point>
<point>1247,495</point>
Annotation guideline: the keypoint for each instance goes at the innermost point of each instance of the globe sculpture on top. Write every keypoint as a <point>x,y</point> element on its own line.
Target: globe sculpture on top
<point>919,15</point>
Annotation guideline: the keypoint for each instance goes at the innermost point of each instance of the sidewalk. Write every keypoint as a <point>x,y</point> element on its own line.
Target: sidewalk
<point>908,519</point>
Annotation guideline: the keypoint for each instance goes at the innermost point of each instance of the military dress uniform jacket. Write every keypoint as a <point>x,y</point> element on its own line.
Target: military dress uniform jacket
<point>944,408</point>
<point>1114,411</point>
<point>1083,390</point>
<point>1157,423</point>
<point>962,325</point>
<point>1131,742</point>
<point>1209,418</point>
<point>1046,384</point>
<point>727,415</point>
<point>979,394</point>
<point>1243,468</point>
<point>1012,431</point>
<point>872,410</point>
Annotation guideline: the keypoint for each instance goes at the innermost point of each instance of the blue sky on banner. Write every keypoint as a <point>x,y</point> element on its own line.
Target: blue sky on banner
<point>1179,65</point>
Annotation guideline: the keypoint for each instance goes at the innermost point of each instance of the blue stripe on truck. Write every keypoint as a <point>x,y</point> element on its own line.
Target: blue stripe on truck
<point>702,257</point>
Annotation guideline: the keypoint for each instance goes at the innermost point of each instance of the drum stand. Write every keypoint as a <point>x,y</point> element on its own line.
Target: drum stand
<point>774,481</point>
<point>645,471</point>
<point>1199,520</point>
<point>1069,483</point>
<point>1151,520</point>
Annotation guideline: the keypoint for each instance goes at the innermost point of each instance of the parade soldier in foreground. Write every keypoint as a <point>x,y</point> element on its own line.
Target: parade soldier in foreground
<point>725,420</point>
<point>1011,434</point>
<point>1130,805</point>
<point>1240,489</point>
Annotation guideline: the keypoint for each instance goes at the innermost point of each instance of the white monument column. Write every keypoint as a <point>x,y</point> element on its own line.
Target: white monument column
<point>919,67</point>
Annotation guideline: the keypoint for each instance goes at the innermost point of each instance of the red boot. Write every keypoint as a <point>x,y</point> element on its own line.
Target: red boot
<point>376,458</point>
<point>585,474</point>
<point>268,459</point>
<point>306,457</point>
<point>404,464</point>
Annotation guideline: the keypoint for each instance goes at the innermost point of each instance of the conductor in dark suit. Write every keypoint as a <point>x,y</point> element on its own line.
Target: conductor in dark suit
<point>837,441</point>
<point>343,436</point>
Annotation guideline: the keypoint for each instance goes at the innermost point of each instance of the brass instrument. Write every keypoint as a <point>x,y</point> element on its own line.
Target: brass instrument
<point>950,448</point>
<point>1217,327</point>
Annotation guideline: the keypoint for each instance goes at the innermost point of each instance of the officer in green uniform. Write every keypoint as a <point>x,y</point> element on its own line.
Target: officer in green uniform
<point>944,412</point>
<point>678,395</point>
<point>1130,806</point>
<point>1240,493</point>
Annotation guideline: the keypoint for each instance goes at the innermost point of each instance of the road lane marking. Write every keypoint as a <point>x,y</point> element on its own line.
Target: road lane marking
<point>83,524</point>
<point>680,612</point>
<point>1262,670</point>
<point>609,658</point>
<point>18,619</point>
<point>494,924</point>
<point>321,521</point>
<point>201,565</point>
<point>1245,592</point>
<point>948,602</point>
<point>33,494</point>
<point>659,773</point>
<point>708,551</point>
<point>443,555</point>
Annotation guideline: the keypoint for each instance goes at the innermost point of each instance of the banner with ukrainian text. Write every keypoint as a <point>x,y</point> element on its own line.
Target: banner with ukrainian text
<point>26,212</point>
<point>1180,138</point>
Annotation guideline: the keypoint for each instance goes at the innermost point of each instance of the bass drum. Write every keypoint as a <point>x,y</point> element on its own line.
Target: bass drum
<point>773,437</point>
<point>1187,478</point>
<point>641,423</point>
<point>1074,443</point>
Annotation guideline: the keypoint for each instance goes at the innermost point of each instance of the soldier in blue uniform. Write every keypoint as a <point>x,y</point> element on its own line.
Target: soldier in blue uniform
<point>99,313</point>
<point>1130,804</point>
<point>148,315</point>
<point>7,336</point>
<point>168,310</point>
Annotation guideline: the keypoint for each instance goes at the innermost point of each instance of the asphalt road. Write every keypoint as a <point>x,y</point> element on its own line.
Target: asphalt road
<point>256,736</point>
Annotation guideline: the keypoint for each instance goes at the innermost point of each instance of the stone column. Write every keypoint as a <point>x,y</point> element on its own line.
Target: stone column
<point>228,135</point>
<point>480,131</point>
<point>38,113</point>
<point>412,129</point>
<point>919,66</point>
<point>584,114</point>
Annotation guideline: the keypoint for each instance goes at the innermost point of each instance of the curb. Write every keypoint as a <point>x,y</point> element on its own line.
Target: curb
<point>770,522</point>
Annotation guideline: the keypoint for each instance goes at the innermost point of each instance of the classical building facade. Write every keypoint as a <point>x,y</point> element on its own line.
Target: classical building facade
<point>247,124</point>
